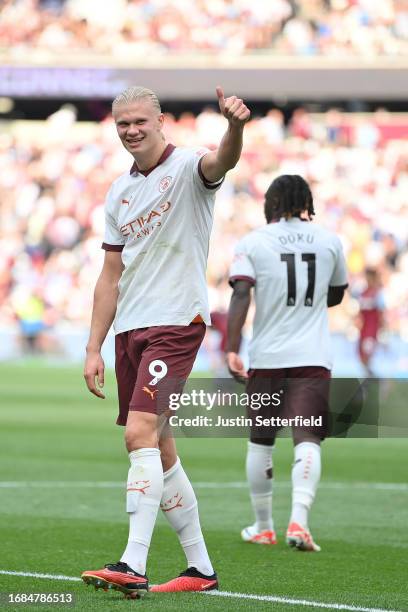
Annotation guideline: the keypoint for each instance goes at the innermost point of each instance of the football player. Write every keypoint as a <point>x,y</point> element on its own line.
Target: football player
<point>153,286</point>
<point>297,270</point>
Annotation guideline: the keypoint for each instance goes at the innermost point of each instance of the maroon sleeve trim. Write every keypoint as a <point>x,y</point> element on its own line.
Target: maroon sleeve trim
<point>207,183</point>
<point>339,286</point>
<point>232,280</point>
<point>112,247</point>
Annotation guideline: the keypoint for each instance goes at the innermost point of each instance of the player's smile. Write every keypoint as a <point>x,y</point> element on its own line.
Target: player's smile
<point>138,124</point>
<point>134,142</point>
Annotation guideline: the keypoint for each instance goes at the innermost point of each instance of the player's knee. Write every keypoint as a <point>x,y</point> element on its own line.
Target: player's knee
<point>141,431</point>
<point>136,441</point>
<point>305,436</point>
<point>262,441</point>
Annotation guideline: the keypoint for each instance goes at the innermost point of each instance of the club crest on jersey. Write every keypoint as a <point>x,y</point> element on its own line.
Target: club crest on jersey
<point>165,183</point>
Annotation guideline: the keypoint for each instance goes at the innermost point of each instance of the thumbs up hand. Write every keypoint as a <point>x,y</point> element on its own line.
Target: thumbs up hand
<point>233,109</point>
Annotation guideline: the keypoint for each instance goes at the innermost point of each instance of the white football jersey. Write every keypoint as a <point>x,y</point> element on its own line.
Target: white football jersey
<point>161,223</point>
<point>291,264</point>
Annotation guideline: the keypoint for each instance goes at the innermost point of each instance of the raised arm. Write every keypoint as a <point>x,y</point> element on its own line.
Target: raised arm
<point>214,165</point>
<point>237,314</point>
<point>104,309</point>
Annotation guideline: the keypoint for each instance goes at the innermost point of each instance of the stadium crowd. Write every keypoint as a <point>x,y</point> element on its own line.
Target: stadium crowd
<point>136,28</point>
<point>54,176</point>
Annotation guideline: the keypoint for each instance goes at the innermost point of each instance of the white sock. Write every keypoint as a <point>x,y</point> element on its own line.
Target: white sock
<point>259,471</point>
<point>144,491</point>
<point>179,505</point>
<point>305,478</point>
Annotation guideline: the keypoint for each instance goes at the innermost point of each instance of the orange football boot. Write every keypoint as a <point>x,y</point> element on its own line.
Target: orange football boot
<point>300,538</point>
<point>118,576</point>
<point>190,580</point>
<point>250,534</point>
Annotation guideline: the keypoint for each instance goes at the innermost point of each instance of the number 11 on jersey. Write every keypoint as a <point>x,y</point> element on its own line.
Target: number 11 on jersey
<point>310,259</point>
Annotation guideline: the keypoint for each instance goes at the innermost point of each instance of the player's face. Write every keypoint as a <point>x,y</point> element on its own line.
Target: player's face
<point>139,126</point>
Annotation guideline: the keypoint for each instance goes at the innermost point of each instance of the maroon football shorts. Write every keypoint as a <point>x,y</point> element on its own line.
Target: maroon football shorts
<point>303,392</point>
<point>153,362</point>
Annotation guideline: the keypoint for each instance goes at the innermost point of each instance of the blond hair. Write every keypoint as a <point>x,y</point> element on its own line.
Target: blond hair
<point>133,94</point>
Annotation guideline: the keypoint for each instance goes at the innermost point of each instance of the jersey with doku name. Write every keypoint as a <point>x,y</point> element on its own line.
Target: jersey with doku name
<point>291,264</point>
<point>161,222</point>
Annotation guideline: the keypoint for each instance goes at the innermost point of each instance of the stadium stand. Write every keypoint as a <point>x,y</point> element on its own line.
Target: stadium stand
<point>54,176</point>
<point>337,28</point>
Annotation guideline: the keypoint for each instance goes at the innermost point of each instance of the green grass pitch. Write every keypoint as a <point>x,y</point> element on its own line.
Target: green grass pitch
<point>52,430</point>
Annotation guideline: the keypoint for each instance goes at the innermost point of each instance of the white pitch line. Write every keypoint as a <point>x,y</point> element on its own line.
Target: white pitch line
<point>83,484</point>
<point>375,486</point>
<point>36,575</point>
<point>270,598</point>
<point>296,602</point>
<point>58,484</point>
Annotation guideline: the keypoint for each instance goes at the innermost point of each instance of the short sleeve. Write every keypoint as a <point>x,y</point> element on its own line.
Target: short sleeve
<point>242,267</point>
<point>198,176</point>
<point>339,276</point>
<point>113,238</point>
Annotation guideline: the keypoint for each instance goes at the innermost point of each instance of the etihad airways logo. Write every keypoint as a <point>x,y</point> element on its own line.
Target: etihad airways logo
<point>143,226</point>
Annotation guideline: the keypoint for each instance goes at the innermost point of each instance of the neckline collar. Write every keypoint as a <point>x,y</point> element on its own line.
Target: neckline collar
<point>166,153</point>
<point>293,220</point>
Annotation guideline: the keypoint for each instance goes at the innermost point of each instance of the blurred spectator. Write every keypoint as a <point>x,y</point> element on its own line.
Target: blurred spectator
<point>31,314</point>
<point>338,28</point>
<point>29,310</point>
<point>216,342</point>
<point>371,304</point>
